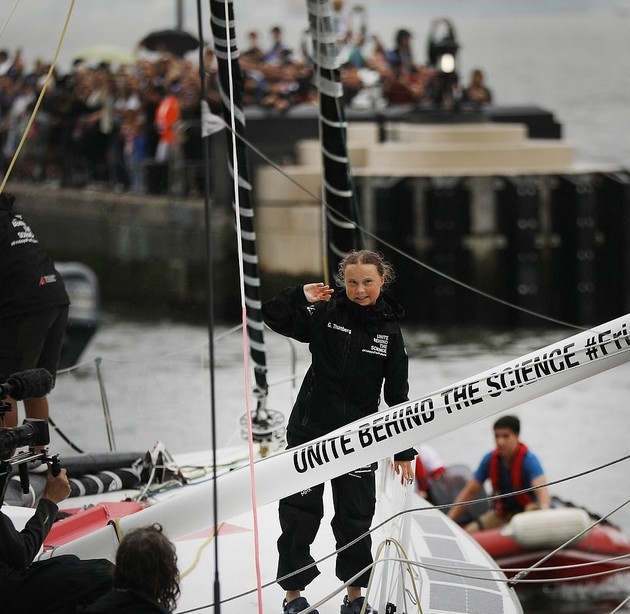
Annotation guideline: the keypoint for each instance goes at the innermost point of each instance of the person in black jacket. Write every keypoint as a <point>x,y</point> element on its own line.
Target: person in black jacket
<point>33,306</point>
<point>58,585</point>
<point>357,348</point>
<point>146,579</point>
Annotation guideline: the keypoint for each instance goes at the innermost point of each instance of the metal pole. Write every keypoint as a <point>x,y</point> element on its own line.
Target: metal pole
<point>179,15</point>
<point>108,418</point>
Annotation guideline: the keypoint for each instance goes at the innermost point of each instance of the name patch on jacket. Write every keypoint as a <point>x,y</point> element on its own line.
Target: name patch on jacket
<point>343,329</point>
<point>379,346</point>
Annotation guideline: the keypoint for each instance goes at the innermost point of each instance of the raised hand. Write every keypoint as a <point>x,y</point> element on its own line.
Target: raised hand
<point>317,292</point>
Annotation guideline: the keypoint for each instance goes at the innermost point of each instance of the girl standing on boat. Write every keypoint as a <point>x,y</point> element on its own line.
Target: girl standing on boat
<point>356,346</point>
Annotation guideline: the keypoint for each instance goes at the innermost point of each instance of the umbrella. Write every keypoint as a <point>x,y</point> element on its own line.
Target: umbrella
<point>106,53</point>
<point>178,42</point>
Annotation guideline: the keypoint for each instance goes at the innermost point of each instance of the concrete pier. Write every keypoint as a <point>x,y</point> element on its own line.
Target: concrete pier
<point>483,202</point>
<point>149,252</point>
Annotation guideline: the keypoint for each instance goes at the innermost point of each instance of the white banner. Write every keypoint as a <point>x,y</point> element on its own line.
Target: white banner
<point>380,435</point>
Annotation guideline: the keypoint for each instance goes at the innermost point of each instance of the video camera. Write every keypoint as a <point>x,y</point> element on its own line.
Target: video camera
<point>33,433</point>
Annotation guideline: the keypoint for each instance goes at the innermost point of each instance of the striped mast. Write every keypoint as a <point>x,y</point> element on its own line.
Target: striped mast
<point>231,91</point>
<point>341,234</point>
<point>231,85</point>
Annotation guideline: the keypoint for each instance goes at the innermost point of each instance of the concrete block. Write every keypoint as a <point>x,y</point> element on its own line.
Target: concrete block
<point>289,240</point>
<point>455,133</point>
<point>294,184</point>
<point>414,160</point>
<point>309,153</point>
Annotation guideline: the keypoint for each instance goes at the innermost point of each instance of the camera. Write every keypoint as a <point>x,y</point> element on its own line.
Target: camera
<point>34,432</point>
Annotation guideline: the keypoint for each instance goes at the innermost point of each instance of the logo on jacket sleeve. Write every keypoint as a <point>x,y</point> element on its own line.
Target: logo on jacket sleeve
<point>23,232</point>
<point>47,279</point>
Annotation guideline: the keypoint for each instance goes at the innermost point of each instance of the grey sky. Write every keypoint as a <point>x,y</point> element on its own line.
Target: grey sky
<point>35,25</point>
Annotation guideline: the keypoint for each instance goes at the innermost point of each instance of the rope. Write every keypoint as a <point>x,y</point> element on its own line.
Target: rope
<point>39,100</point>
<point>230,46</point>
<point>401,549</point>
<point>618,608</point>
<point>201,548</point>
<point>64,436</point>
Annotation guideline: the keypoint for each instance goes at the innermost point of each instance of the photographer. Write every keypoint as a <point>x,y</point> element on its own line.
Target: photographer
<point>54,586</point>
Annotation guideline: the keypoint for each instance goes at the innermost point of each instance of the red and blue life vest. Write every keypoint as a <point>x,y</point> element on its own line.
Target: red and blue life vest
<point>516,477</point>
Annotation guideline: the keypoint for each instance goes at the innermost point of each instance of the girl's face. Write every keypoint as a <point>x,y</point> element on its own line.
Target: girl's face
<point>363,283</point>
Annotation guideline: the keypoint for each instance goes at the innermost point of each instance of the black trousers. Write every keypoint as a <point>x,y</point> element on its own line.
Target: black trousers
<point>354,498</point>
<point>55,586</point>
<point>32,340</point>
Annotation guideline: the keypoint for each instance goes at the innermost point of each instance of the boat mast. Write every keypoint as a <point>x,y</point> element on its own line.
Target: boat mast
<point>231,85</point>
<point>341,233</point>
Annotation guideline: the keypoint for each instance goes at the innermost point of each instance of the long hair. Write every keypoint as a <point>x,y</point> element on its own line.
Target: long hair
<point>366,256</point>
<point>146,561</point>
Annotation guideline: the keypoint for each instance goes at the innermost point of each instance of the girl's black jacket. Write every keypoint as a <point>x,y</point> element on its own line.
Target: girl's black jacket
<point>354,349</point>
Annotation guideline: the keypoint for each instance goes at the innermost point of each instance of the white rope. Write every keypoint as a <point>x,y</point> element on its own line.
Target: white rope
<point>241,270</point>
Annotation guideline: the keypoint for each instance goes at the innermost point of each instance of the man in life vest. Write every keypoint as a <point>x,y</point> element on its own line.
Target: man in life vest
<point>511,467</point>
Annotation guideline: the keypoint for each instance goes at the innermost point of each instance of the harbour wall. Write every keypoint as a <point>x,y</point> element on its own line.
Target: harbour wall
<point>552,242</point>
<point>148,252</point>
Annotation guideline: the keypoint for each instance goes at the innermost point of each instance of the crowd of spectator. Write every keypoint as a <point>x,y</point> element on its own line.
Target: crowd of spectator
<point>99,124</point>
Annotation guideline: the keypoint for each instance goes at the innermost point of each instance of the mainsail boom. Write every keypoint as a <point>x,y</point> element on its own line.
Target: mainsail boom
<point>382,434</point>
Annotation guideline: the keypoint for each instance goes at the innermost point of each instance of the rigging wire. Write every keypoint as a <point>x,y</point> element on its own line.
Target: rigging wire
<point>210,315</point>
<point>23,140</point>
<point>618,608</point>
<point>31,119</point>
<point>519,577</point>
<point>232,54</point>
<point>450,570</point>
<point>413,259</point>
<point>428,509</point>
<point>452,279</point>
<point>9,17</point>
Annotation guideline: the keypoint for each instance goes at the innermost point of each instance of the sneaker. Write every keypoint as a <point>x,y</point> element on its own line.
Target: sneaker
<point>296,605</point>
<point>354,607</point>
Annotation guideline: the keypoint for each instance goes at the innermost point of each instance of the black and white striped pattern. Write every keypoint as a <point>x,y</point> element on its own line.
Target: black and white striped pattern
<point>338,193</point>
<point>226,51</point>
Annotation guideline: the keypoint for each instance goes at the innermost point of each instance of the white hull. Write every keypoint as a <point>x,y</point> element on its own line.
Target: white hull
<point>427,536</point>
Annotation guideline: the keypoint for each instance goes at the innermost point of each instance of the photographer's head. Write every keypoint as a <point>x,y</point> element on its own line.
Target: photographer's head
<point>146,561</point>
